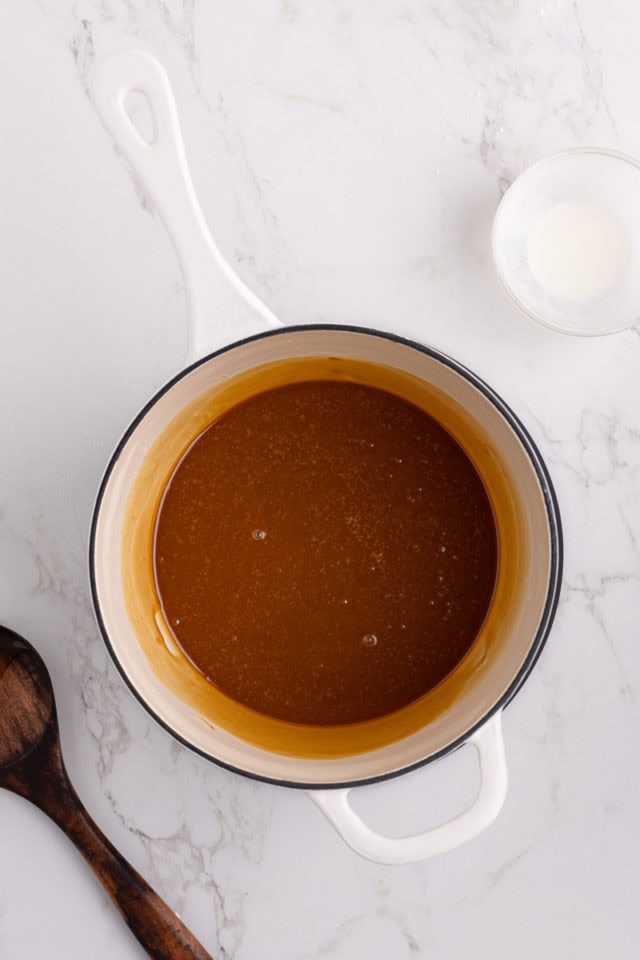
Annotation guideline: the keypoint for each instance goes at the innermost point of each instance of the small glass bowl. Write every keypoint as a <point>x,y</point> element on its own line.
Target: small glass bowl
<point>591,179</point>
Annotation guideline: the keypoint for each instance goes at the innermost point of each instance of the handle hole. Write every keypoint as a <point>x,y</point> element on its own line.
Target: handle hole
<point>422,799</point>
<point>139,111</point>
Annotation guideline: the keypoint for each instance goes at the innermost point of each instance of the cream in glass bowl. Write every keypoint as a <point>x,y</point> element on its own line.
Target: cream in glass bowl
<point>565,242</point>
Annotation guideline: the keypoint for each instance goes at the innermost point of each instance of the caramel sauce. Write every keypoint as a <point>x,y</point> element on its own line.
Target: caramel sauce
<point>325,553</point>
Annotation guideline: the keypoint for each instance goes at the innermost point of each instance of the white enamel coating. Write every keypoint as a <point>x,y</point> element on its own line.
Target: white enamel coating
<point>489,745</point>
<point>221,309</point>
<point>214,292</point>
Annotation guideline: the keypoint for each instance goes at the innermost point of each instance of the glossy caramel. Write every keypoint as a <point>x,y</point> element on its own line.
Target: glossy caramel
<point>325,553</point>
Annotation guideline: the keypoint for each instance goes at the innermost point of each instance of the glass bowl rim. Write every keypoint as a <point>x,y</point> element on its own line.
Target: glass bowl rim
<point>534,168</point>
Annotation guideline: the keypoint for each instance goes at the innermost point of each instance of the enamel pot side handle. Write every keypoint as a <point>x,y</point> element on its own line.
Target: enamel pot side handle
<point>489,746</point>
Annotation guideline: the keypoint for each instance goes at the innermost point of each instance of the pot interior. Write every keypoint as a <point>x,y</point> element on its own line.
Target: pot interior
<point>220,728</point>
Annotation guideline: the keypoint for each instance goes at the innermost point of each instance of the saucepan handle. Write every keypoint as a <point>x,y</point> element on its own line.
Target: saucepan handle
<point>493,790</point>
<point>221,308</point>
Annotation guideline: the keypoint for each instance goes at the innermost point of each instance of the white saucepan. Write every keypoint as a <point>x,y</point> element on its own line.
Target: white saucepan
<point>233,336</point>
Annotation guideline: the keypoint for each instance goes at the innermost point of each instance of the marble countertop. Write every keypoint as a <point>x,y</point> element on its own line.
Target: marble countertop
<point>349,157</point>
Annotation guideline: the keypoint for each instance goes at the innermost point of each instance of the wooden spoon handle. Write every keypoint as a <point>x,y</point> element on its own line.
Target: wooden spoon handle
<point>152,922</point>
<point>156,926</point>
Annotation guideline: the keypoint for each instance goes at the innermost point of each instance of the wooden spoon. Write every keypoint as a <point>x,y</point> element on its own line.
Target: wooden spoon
<point>31,765</point>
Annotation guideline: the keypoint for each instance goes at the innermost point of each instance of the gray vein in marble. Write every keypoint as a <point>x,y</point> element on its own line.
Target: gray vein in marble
<point>591,594</point>
<point>633,540</point>
<point>176,864</point>
<point>497,876</point>
<point>82,50</point>
<point>327,947</point>
<point>592,71</point>
<point>182,28</point>
<point>235,143</point>
<point>499,62</point>
<point>553,737</point>
<point>396,914</point>
<point>594,428</point>
<point>333,106</point>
